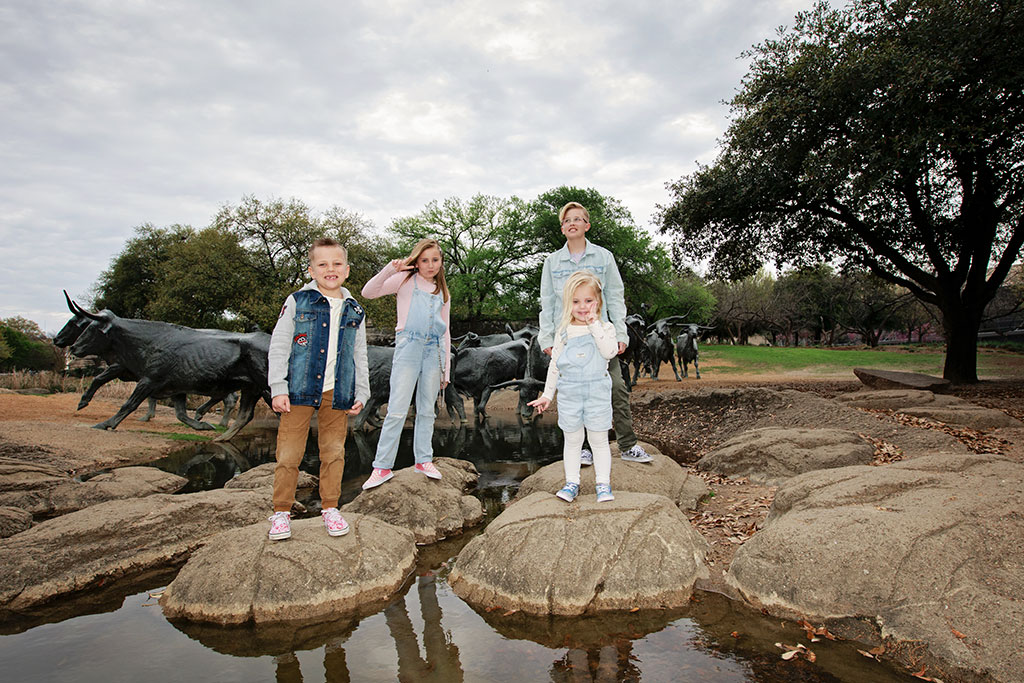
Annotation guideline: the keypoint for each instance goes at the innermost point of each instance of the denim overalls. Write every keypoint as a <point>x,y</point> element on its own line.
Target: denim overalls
<point>584,386</point>
<point>417,363</point>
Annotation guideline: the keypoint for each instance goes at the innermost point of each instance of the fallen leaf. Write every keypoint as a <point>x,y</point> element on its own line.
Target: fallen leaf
<point>491,609</point>
<point>959,635</point>
<point>510,612</point>
<point>735,634</point>
<point>635,609</point>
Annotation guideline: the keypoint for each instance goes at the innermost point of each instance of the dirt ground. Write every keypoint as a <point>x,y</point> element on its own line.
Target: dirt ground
<point>49,429</point>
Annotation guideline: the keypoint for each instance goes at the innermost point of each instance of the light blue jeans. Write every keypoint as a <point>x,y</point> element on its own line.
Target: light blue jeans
<point>416,365</point>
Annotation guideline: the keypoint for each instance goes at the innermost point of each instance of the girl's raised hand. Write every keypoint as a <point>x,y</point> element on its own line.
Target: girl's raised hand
<point>541,404</point>
<point>401,264</point>
<point>592,315</point>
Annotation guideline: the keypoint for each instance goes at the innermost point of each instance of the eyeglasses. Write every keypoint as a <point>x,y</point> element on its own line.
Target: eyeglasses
<point>576,220</point>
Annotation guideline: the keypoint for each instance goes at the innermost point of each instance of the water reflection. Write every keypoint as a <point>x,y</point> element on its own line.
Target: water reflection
<point>442,654</point>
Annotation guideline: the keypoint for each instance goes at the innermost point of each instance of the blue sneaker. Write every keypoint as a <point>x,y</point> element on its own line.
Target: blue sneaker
<point>636,454</point>
<point>586,458</point>
<point>569,492</point>
<point>604,493</point>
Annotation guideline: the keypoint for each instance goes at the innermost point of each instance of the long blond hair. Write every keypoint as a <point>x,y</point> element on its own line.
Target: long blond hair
<point>414,255</point>
<point>575,281</point>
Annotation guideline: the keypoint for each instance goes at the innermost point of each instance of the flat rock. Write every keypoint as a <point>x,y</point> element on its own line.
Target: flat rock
<point>14,521</point>
<point>893,379</point>
<point>263,475</point>
<point>772,455</point>
<point>18,475</point>
<point>926,549</point>
<point>896,399</point>
<point>662,476</point>
<point>116,539</point>
<point>966,415</point>
<point>50,496</point>
<point>431,508</point>
<point>239,576</point>
<point>544,556</point>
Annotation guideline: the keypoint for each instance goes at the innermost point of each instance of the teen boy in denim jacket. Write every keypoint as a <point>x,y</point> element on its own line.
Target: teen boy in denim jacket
<point>581,254</point>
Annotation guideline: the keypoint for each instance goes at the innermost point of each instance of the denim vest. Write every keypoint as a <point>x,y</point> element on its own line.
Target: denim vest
<point>308,357</point>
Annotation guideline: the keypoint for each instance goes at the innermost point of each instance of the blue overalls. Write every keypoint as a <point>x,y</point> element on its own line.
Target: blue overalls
<point>584,386</point>
<point>417,364</point>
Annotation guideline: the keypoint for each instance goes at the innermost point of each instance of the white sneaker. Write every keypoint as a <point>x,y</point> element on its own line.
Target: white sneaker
<point>586,458</point>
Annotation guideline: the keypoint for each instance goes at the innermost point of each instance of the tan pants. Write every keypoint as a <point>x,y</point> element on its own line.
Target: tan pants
<point>332,428</point>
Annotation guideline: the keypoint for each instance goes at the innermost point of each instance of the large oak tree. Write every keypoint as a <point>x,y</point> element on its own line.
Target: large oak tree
<point>890,134</point>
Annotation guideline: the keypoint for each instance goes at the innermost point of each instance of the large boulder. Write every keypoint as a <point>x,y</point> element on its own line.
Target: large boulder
<point>116,539</point>
<point>45,495</point>
<point>263,475</point>
<point>544,556</point>
<point>772,455</point>
<point>432,509</point>
<point>662,476</point>
<point>239,576</point>
<point>14,521</point>
<point>893,379</point>
<point>929,550</point>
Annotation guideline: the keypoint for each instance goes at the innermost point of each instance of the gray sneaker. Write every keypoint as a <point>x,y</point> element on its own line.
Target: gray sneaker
<point>586,458</point>
<point>636,454</point>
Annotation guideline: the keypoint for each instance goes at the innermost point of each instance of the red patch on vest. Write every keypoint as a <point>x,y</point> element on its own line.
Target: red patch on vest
<point>301,340</point>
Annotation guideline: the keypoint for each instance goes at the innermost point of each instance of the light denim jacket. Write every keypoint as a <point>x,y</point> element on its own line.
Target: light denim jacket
<point>557,269</point>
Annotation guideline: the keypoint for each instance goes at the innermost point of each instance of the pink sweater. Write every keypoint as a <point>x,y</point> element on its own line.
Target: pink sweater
<point>391,281</point>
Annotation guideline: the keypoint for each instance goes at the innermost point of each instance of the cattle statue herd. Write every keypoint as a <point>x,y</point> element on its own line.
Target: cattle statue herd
<point>171,361</point>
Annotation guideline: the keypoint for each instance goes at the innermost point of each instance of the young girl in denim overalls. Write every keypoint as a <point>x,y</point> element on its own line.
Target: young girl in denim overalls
<point>422,354</point>
<point>579,371</point>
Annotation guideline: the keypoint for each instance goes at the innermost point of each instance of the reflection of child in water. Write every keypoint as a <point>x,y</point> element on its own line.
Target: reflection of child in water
<point>579,372</point>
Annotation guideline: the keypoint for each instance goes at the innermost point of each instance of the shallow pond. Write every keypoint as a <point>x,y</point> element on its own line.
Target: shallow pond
<point>427,633</point>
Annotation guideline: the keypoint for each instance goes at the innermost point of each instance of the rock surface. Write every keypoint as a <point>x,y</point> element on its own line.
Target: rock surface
<point>263,475</point>
<point>929,549</point>
<point>892,379</point>
<point>431,509</point>
<point>773,454</point>
<point>895,399</point>
<point>662,476</point>
<point>693,423</point>
<point>116,539</point>
<point>966,415</point>
<point>544,556</point>
<point>46,495</point>
<point>240,577</point>
<point>13,521</point>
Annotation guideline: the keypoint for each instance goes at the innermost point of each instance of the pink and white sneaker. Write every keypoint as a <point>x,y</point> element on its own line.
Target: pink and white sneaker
<point>377,477</point>
<point>428,469</point>
<point>335,523</point>
<point>280,526</point>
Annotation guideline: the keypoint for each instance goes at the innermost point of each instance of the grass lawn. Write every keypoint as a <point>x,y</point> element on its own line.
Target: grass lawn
<point>736,360</point>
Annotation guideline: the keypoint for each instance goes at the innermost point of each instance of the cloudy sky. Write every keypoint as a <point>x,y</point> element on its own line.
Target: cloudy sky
<point>117,113</point>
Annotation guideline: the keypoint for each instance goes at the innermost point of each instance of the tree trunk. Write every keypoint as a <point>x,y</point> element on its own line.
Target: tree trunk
<point>961,329</point>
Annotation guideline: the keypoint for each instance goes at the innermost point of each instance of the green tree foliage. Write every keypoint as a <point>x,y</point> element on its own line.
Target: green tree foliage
<point>23,346</point>
<point>130,283</point>
<point>743,306</point>
<point>888,134</point>
<point>236,273</point>
<point>869,305</point>
<point>487,261</point>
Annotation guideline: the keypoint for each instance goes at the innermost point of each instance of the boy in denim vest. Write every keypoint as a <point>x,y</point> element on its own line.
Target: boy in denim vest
<point>317,362</point>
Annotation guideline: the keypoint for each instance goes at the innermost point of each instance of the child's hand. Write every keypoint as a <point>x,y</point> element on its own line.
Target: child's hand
<point>356,408</point>
<point>444,384</point>
<point>592,314</point>
<point>401,264</point>
<point>281,404</point>
<point>541,404</point>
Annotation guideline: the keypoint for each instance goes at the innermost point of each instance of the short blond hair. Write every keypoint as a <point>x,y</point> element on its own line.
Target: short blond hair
<point>575,281</point>
<point>573,205</point>
<point>327,242</point>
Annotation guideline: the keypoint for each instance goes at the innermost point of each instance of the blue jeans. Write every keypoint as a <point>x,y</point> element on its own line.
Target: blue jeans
<point>416,365</point>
